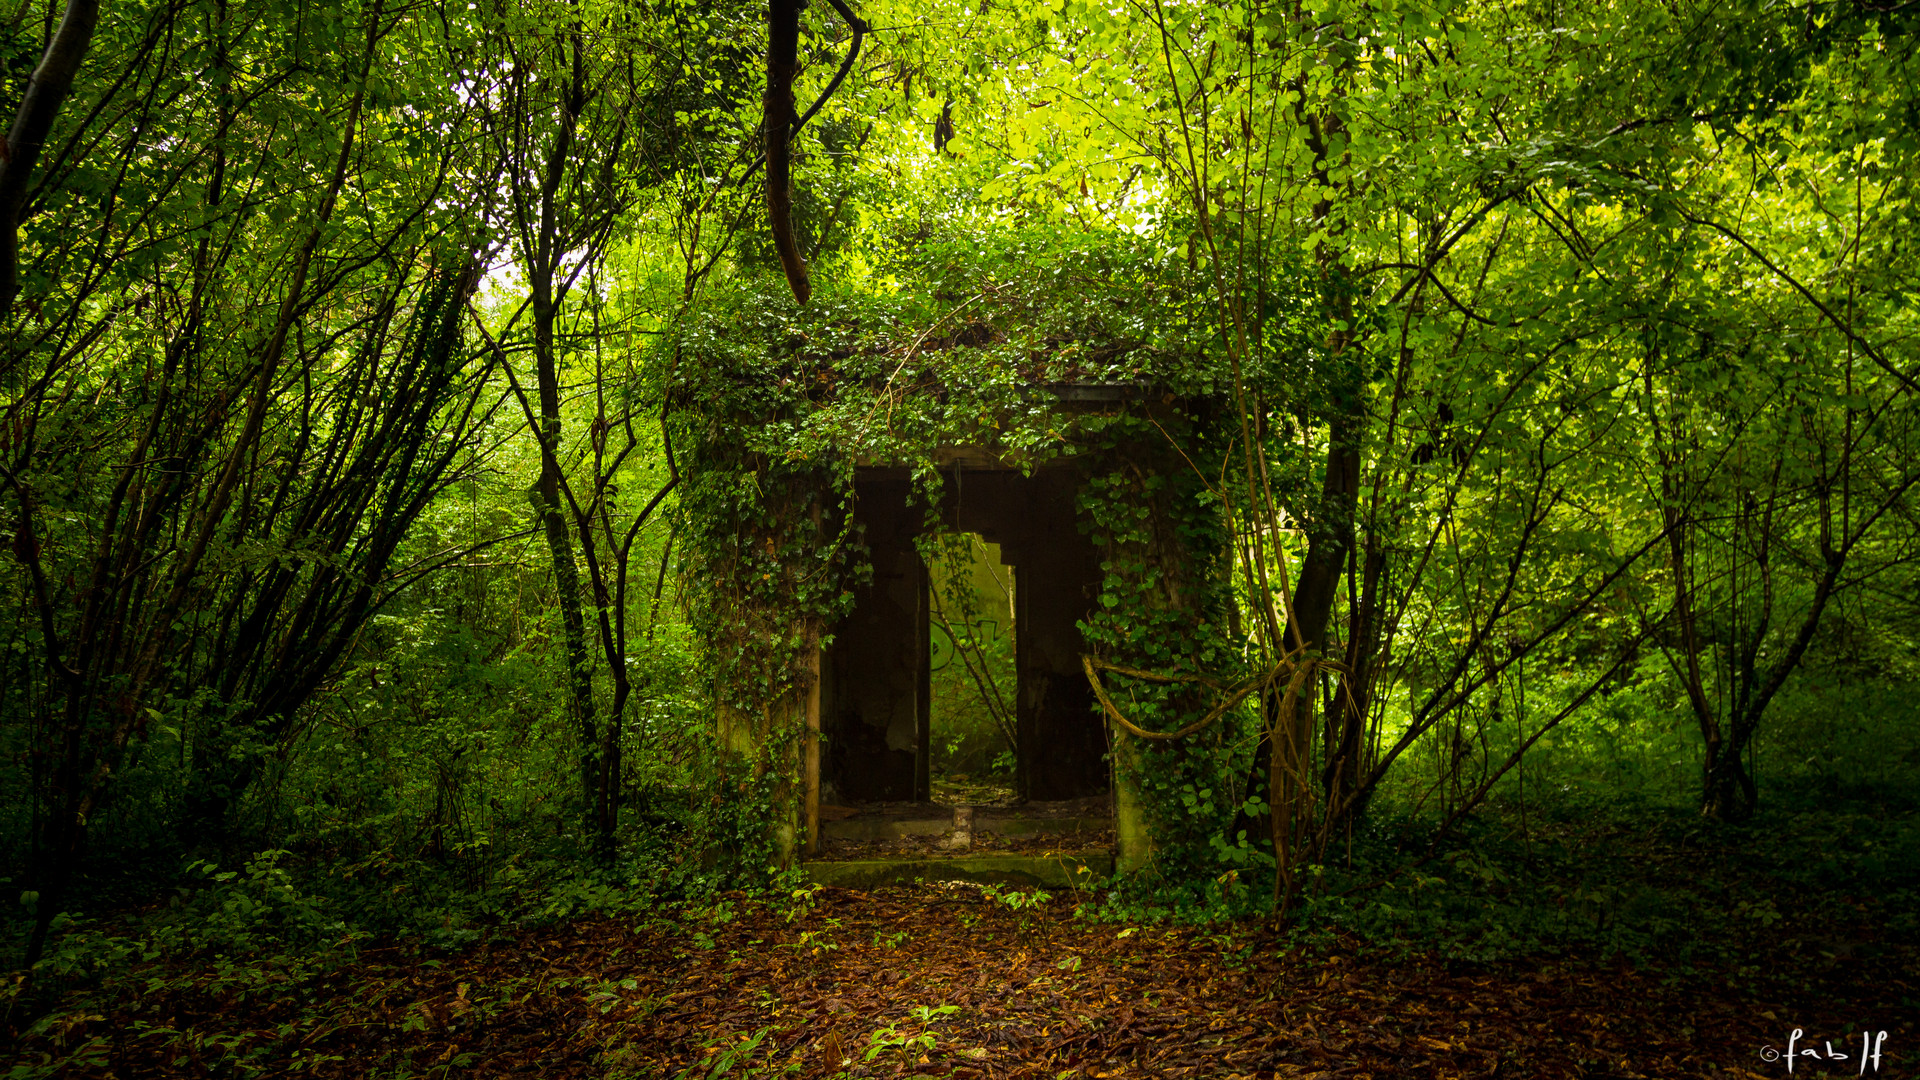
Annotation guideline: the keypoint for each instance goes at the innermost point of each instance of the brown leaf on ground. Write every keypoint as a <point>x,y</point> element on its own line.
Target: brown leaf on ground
<point>974,989</point>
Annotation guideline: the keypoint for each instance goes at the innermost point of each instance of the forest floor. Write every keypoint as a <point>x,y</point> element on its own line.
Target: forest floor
<point>955,981</point>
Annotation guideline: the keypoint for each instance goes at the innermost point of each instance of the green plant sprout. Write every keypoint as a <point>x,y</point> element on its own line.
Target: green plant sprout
<point>1026,908</point>
<point>907,1045</point>
<point>728,1058</point>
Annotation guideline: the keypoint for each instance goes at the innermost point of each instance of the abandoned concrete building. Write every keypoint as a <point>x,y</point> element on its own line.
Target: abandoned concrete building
<point>861,717</point>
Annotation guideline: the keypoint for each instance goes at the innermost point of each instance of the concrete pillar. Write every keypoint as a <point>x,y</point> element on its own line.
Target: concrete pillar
<point>1133,840</point>
<point>782,724</point>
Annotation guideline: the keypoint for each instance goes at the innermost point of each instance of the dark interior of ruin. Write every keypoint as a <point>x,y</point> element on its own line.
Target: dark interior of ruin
<point>875,698</point>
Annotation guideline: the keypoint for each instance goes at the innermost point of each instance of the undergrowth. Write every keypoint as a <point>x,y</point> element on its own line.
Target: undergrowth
<point>1820,876</point>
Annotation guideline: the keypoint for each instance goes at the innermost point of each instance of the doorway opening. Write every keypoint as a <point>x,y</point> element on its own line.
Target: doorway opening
<point>1015,547</point>
<point>954,714</point>
<point>973,672</point>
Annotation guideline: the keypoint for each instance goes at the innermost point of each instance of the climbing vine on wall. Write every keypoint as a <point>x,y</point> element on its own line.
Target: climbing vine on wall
<point>1165,608</point>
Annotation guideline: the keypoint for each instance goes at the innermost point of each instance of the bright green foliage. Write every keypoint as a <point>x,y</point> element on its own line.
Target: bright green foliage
<point>974,681</point>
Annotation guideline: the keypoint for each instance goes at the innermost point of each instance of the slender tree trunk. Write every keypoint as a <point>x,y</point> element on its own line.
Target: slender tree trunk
<point>783,62</point>
<point>1282,763</point>
<point>1353,699</point>
<point>546,498</point>
<point>1728,792</point>
<point>547,495</point>
<point>52,81</point>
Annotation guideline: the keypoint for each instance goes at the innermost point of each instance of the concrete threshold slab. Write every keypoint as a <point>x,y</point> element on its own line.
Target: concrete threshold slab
<point>887,826</point>
<point>1014,825</point>
<point>1047,871</point>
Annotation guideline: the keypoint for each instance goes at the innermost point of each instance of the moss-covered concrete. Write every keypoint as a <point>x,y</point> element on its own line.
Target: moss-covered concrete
<point>1059,871</point>
<point>1131,834</point>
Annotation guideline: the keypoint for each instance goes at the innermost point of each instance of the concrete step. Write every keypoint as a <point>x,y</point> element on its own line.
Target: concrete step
<point>877,827</point>
<point>1049,871</point>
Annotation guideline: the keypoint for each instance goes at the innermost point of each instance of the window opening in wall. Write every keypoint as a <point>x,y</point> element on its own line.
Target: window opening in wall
<point>974,676</point>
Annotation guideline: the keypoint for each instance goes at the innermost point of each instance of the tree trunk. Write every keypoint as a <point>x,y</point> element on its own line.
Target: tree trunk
<point>1728,793</point>
<point>548,250</point>
<point>51,82</point>
<point>1353,699</point>
<point>545,498</point>
<point>783,48</point>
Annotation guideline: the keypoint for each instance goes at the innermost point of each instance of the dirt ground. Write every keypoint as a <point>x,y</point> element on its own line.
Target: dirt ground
<point>952,981</point>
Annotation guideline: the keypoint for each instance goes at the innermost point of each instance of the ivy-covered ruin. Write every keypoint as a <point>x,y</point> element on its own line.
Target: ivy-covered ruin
<point>823,453</point>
